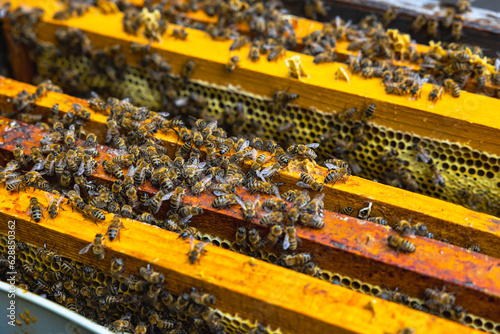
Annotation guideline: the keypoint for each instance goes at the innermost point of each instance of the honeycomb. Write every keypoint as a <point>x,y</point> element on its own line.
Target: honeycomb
<point>356,285</point>
<point>33,256</point>
<point>471,177</point>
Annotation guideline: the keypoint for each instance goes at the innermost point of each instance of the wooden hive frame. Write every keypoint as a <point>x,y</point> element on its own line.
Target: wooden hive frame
<point>340,239</point>
<point>448,120</point>
<point>482,228</point>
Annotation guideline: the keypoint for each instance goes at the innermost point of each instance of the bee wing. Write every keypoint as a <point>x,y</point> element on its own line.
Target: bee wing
<point>185,220</point>
<point>244,145</point>
<point>422,81</point>
<point>94,95</point>
<point>259,174</point>
<point>167,196</point>
<point>71,131</point>
<point>220,179</point>
<point>286,242</point>
<point>85,249</point>
<point>59,201</point>
<point>182,101</point>
<point>330,166</point>
<point>257,201</point>
<point>13,181</point>
<point>219,193</point>
<point>81,169</point>
<point>303,185</point>
<point>212,125</point>
<point>497,65</point>
<point>338,21</point>
<point>38,166</point>
<point>77,189</point>
<point>319,197</point>
<point>312,145</point>
<point>254,154</point>
<point>49,198</point>
<point>240,202</point>
<point>206,179</point>
<point>131,171</point>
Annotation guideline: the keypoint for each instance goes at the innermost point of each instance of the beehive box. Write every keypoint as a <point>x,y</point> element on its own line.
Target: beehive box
<point>254,295</point>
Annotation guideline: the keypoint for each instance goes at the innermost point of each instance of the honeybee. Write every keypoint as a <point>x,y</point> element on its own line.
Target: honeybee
<point>309,182</point>
<point>311,220</point>
<point>254,52</point>
<point>451,87</point>
<point>272,218</point>
<point>201,186</point>
<point>432,27</point>
<point>297,260</point>
<point>114,228</point>
<point>196,251</point>
<point>97,247</point>
<point>204,299</point>
<point>404,227</point>
<point>378,220</point>
<point>275,204</point>
<point>113,169</point>
<point>254,238</point>
<point>69,137</point>
<point>150,275</point>
<point>274,234</point>
<point>93,213</point>
<point>248,208</point>
<point>276,52</point>
<point>316,205</point>
<point>179,33</point>
<point>117,267</point>
<point>437,178</point>
<point>282,98</point>
<point>303,151</point>
<point>435,93</point>
<point>176,198</point>
<point>232,63</point>
<point>53,205</point>
<point>291,241</point>
<point>346,115</point>
<point>125,159</point>
<point>239,43</point>
<point>325,57</point>
<point>254,185</point>
<point>399,243</point>
<point>397,88</point>
<point>190,210</point>
<point>19,155</point>
<point>35,210</point>
<point>335,175</point>
<point>241,235</point>
<point>388,16</point>
<point>440,297</point>
<point>224,201</point>
<point>348,210</point>
<point>421,154</point>
<point>463,6</point>
<point>187,71</point>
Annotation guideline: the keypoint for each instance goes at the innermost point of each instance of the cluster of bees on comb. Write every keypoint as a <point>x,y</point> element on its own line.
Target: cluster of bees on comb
<point>222,172</point>
<point>137,304</point>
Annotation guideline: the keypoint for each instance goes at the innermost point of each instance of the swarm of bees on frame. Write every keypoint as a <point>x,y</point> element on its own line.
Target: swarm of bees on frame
<point>62,158</point>
<point>139,303</point>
